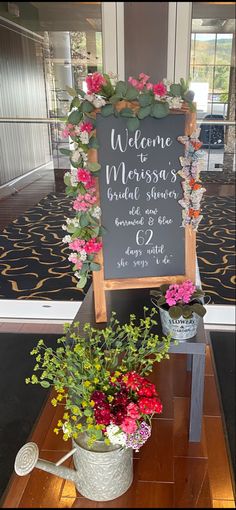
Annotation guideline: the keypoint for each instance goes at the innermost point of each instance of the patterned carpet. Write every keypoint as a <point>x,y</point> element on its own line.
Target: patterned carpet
<point>33,259</point>
<point>216,249</point>
<point>34,264</point>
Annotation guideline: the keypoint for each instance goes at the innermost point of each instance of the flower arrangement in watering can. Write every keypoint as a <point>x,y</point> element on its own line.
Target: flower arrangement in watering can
<point>99,376</point>
<point>180,307</point>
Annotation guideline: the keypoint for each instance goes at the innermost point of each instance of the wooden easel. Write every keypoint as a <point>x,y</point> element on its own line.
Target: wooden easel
<point>100,285</point>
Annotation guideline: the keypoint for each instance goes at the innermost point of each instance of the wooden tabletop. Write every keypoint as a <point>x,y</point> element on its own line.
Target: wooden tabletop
<point>169,472</point>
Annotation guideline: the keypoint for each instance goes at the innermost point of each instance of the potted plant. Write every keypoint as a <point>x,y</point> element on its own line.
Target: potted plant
<point>180,306</point>
<point>99,378</point>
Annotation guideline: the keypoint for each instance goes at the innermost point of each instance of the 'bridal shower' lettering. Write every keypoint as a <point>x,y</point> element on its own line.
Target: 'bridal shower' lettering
<point>139,193</point>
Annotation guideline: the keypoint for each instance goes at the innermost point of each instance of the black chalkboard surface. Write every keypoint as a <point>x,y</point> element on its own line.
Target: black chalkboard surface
<point>139,193</point>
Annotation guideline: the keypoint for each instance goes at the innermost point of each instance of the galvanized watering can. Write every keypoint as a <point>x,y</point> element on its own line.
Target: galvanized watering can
<point>102,473</point>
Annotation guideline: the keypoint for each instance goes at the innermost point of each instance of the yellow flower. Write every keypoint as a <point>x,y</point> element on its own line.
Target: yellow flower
<point>60,397</point>
<point>89,419</point>
<point>59,423</point>
<point>75,410</point>
<point>87,365</point>
<point>113,379</point>
<point>92,403</point>
<point>56,431</point>
<point>110,398</point>
<point>97,366</point>
<point>106,440</point>
<point>75,435</point>
<point>74,418</point>
<point>54,402</point>
<point>65,437</point>
<point>90,426</point>
<point>84,404</point>
<point>79,426</point>
<point>87,384</point>
<point>117,373</point>
<point>65,416</point>
<point>96,380</point>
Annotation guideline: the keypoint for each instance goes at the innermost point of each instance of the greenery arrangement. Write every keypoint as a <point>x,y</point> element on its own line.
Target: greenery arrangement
<point>133,100</point>
<point>99,379</point>
<point>180,299</point>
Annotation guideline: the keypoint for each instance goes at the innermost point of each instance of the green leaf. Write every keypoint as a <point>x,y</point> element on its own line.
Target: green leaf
<point>121,88</point>
<point>145,99</point>
<point>107,110</point>
<point>82,282</point>
<point>144,112</point>
<point>80,92</point>
<point>164,288</point>
<point>133,124</point>
<point>88,412</point>
<point>199,309</point>
<point>114,99</point>
<point>127,112</point>
<point>187,311</point>
<point>93,143</point>
<point>86,107</point>
<point>67,152</point>
<point>175,312</point>
<point>95,267</point>
<point>161,301</point>
<point>75,164</point>
<point>75,103</point>
<point>93,167</point>
<point>84,220</point>
<point>160,110</point>
<point>45,384</point>
<point>71,91</point>
<point>75,117</point>
<point>175,89</point>
<point>132,93</point>
<point>67,179</point>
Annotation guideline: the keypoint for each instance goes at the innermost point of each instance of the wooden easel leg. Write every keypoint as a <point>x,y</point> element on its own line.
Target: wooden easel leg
<point>99,296</point>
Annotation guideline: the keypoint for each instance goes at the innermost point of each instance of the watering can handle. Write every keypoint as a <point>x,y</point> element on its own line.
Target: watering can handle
<point>60,461</point>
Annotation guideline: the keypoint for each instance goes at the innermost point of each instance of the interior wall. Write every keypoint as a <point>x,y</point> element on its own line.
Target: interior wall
<point>23,147</point>
<point>146,39</point>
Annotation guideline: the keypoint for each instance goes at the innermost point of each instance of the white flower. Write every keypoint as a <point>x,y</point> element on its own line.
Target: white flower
<point>116,435</point>
<point>64,227</point>
<point>83,255</point>
<point>167,83</point>
<point>98,102</point>
<point>76,156</point>
<point>90,97</point>
<point>84,137</point>
<point>66,239</point>
<point>175,102</point>
<point>96,213</point>
<point>77,275</point>
<point>73,177</point>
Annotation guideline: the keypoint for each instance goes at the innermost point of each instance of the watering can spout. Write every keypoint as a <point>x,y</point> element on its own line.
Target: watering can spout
<point>28,458</point>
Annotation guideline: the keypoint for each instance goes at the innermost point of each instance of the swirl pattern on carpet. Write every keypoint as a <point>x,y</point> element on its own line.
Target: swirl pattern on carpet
<point>33,260</point>
<point>216,249</point>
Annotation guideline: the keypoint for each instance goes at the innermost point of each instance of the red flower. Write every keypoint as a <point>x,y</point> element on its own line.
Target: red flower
<point>98,397</point>
<point>103,415</point>
<point>95,83</point>
<point>149,405</point>
<point>159,89</point>
<point>134,380</point>
<point>147,390</point>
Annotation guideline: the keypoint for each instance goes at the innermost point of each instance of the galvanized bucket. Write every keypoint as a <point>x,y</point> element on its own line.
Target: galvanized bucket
<point>103,472</point>
<point>181,328</point>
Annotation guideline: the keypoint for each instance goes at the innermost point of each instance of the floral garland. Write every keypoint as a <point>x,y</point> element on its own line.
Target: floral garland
<point>105,92</point>
<point>192,187</point>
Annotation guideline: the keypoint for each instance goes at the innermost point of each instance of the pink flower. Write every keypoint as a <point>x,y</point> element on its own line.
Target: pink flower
<point>128,425</point>
<point>95,82</point>
<point>86,126</point>
<point>77,245</point>
<point>133,411</point>
<point>144,77</point>
<point>159,89</point>
<point>149,86</point>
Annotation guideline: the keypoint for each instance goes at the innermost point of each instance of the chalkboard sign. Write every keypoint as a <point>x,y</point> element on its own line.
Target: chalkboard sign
<point>144,243</point>
<point>139,193</point>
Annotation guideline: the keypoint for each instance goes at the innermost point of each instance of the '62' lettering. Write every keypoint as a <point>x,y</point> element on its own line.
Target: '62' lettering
<point>144,237</point>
